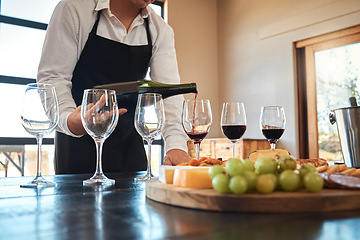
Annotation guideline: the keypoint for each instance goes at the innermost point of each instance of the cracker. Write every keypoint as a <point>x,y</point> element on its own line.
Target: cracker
<point>356,173</point>
<point>322,169</point>
<point>348,171</point>
<point>336,168</point>
<point>342,167</point>
<point>332,169</point>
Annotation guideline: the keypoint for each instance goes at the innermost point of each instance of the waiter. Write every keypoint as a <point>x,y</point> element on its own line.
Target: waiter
<point>95,42</point>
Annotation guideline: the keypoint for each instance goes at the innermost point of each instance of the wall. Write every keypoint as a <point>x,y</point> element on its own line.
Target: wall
<point>195,26</point>
<point>240,50</point>
<point>256,52</point>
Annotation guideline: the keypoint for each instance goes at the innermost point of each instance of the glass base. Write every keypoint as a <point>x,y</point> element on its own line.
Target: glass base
<point>98,179</point>
<point>39,182</point>
<point>145,178</point>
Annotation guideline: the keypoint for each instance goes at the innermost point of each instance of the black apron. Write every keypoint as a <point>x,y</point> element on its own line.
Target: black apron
<point>105,61</point>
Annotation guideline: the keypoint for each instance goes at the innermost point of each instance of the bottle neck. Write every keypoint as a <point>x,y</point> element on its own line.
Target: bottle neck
<point>167,90</point>
<point>148,83</point>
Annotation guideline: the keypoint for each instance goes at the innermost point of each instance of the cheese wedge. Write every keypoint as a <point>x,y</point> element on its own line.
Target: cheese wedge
<point>166,174</point>
<point>273,153</point>
<point>192,178</point>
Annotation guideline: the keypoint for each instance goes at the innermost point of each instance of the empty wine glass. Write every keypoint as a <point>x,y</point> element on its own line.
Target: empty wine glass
<point>272,123</point>
<point>233,122</point>
<point>99,116</point>
<point>196,121</point>
<point>39,116</point>
<point>149,121</point>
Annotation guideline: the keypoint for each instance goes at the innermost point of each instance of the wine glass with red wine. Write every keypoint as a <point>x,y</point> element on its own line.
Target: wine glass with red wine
<point>196,121</point>
<point>272,123</point>
<point>233,122</point>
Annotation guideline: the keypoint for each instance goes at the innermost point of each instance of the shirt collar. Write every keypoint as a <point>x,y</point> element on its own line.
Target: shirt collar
<point>102,4</point>
<point>105,4</point>
<point>144,12</point>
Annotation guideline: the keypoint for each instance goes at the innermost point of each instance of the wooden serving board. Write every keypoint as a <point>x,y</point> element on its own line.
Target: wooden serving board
<point>209,199</point>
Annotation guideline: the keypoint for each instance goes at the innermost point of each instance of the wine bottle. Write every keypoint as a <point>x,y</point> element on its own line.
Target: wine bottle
<point>128,91</point>
<point>353,102</point>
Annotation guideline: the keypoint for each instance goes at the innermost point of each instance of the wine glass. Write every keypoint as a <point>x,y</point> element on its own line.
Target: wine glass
<point>149,121</point>
<point>99,116</point>
<point>39,116</point>
<point>196,121</point>
<point>272,123</point>
<point>233,122</point>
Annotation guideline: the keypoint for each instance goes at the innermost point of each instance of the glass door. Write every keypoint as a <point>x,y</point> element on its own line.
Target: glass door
<point>337,79</point>
<point>328,73</point>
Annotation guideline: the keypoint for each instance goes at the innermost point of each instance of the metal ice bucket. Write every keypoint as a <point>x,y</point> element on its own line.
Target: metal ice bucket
<point>348,126</point>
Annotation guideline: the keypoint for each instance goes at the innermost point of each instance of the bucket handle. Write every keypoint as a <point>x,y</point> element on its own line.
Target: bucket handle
<point>332,118</point>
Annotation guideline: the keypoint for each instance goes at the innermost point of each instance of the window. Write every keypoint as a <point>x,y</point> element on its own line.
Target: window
<point>23,26</point>
<point>328,73</point>
<point>22,35</point>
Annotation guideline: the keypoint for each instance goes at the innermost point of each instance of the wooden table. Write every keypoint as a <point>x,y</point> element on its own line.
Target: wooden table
<point>71,211</point>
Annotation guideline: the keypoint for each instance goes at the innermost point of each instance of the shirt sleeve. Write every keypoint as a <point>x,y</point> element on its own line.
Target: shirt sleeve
<point>164,68</point>
<point>58,59</point>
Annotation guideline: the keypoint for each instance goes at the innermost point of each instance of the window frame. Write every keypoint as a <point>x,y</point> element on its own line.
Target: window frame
<point>306,84</point>
<point>23,81</point>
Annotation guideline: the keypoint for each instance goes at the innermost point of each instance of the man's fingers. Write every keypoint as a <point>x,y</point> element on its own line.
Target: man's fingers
<point>106,115</point>
<point>167,162</point>
<point>98,105</point>
<point>122,111</point>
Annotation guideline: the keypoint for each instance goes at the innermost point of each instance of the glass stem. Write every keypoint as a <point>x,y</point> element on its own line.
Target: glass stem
<point>273,145</point>
<point>149,172</point>
<point>197,150</point>
<point>234,149</point>
<point>99,147</point>
<point>39,140</point>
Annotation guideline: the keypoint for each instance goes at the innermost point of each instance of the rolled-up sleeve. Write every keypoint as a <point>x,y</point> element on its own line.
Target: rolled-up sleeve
<point>59,57</point>
<point>164,68</point>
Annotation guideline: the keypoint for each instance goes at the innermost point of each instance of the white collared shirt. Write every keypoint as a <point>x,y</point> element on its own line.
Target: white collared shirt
<point>65,39</point>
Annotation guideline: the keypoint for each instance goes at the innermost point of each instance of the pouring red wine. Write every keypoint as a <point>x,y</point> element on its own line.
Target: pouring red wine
<point>196,120</point>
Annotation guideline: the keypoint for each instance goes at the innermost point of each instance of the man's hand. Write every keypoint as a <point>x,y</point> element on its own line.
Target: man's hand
<point>175,157</point>
<point>75,124</point>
